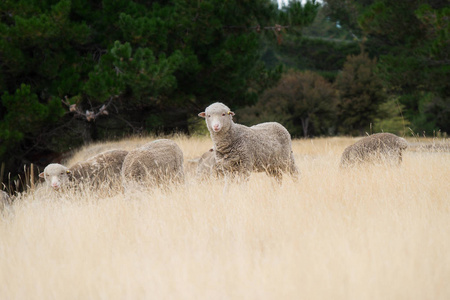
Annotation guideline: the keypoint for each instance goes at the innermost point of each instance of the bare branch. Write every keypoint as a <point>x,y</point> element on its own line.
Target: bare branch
<point>90,114</point>
<point>258,28</point>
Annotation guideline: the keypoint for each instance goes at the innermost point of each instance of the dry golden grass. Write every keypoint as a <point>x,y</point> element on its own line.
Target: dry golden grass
<point>369,233</point>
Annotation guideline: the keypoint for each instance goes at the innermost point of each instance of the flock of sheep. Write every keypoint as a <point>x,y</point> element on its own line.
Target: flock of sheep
<point>237,151</point>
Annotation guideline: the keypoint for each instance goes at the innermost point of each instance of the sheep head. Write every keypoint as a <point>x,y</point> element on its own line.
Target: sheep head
<point>218,116</point>
<point>55,175</point>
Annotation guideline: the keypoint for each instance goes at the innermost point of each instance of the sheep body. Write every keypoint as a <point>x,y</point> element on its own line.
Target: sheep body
<point>101,170</point>
<point>157,163</point>
<point>106,166</point>
<point>240,149</point>
<point>379,147</point>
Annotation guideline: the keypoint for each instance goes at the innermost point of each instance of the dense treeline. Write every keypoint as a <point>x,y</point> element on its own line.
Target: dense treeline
<point>74,71</point>
<point>388,62</point>
<point>411,41</point>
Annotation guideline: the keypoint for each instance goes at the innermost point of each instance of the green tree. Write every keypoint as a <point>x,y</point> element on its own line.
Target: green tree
<point>410,40</point>
<point>25,116</point>
<point>390,118</point>
<point>40,58</point>
<point>23,122</point>
<point>360,92</point>
<point>304,102</point>
<point>321,47</point>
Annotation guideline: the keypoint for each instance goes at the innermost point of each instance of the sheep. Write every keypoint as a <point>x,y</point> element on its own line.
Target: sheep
<point>99,171</point>
<point>201,167</point>
<point>240,150</point>
<point>155,164</point>
<point>206,164</point>
<point>376,148</point>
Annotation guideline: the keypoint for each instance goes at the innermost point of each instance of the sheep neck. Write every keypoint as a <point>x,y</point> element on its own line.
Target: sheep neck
<point>224,139</point>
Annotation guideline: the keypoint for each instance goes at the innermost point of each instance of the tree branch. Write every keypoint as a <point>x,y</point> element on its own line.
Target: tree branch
<point>89,115</point>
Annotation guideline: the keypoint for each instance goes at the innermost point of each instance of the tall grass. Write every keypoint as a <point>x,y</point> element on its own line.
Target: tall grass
<point>370,233</point>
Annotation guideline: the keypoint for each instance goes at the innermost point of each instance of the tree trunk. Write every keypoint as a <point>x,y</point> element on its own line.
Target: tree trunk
<point>361,131</point>
<point>305,123</point>
<point>87,138</point>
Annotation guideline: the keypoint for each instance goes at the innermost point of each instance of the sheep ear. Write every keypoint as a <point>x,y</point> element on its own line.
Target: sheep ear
<point>202,114</point>
<point>41,175</point>
<point>231,113</point>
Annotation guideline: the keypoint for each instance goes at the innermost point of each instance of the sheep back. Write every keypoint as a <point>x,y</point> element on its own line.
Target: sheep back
<point>270,144</point>
<point>100,169</point>
<point>379,147</point>
<point>156,163</point>
<point>265,147</point>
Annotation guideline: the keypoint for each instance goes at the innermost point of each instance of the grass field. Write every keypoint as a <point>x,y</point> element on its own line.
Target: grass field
<point>370,233</point>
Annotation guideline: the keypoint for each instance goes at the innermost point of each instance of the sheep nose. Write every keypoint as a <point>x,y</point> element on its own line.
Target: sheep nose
<point>216,127</point>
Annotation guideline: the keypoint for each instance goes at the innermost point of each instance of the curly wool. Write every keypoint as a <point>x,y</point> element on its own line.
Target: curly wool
<point>157,163</point>
<point>101,167</point>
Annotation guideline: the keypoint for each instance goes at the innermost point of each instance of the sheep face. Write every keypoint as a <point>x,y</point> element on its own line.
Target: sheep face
<point>55,175</point>
<point>218,117</point>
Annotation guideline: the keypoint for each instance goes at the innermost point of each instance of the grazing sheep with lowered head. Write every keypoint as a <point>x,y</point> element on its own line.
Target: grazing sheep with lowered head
<point>157,163</point>
<point>240,150</point>
<point>99,171</point>
<point>206,164</point>
<point>376,148</point>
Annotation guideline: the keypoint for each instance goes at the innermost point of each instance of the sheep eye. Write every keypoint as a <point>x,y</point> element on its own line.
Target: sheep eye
<point>223,115</point>
<point>209,116</point>
<point>62,173</point>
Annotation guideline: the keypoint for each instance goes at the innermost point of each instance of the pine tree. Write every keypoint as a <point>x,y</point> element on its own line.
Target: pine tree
<point>360,92</point>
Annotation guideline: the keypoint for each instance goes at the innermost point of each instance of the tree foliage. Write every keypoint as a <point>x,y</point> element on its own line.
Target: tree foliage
<point>303,101</point>
<point>26,116</point>
<point>410,39</point>
<point>390,118</point>
<point>321,47</point>
<point>360,92</point>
